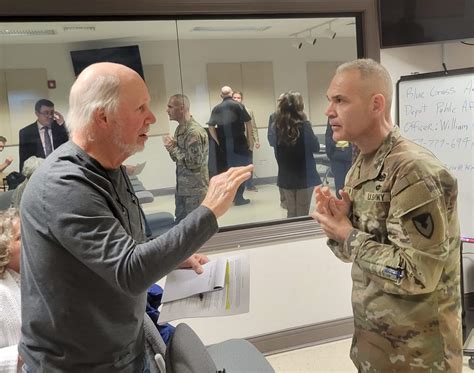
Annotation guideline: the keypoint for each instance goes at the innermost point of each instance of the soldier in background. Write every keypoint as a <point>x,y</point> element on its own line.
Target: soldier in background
<point>190,150</point>
<point>397,222</point>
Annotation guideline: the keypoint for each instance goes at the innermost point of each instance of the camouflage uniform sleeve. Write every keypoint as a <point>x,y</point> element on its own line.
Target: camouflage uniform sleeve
<point>345,251</point>
<point>421,229</point>
<point>192,154</point>
<point>254,128</point>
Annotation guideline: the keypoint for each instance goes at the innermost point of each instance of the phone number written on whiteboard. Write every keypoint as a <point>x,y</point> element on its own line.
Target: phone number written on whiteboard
<point>449,143</point>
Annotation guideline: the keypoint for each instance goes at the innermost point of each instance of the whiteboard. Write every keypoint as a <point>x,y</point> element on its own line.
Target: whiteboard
<point>436,110</point>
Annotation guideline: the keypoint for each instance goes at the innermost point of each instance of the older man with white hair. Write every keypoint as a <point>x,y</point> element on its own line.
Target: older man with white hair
<point>86,264</point>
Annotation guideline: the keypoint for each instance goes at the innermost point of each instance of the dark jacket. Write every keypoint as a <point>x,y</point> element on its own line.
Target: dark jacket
<point>296,164</point>
<point>334,153</point>
<point>30,140</point>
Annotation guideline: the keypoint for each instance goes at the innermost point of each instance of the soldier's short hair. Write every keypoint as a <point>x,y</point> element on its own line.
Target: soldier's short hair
<point>3,139</point>
<point>182,99</point>
<point>370,69</point>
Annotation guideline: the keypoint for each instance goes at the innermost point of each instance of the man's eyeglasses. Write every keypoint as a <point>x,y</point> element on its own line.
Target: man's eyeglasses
<point>47,113</point>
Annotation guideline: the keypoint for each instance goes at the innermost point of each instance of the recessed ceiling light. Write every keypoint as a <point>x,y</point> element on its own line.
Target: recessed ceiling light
<point>78,28</point>
<point>230,29</point>
<point>26,32</point>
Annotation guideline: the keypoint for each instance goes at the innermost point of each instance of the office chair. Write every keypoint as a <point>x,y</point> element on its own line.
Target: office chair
<point>186,353</point>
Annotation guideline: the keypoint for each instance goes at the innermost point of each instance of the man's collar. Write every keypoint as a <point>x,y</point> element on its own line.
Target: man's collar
<point>41,126</point>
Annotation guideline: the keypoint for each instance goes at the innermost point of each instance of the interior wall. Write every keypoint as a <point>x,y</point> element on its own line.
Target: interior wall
<point>288,289</point>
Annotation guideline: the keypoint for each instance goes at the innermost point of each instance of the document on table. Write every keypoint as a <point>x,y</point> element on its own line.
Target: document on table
<point>232,299</point>
<point>182,283</point>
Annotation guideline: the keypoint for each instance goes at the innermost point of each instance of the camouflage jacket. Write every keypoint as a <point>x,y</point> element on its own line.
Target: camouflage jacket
<point>254,127</point>
<point>191,155</point>
<point>405,250</point>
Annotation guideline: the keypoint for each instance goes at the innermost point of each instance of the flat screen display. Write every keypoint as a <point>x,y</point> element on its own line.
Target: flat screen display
<point>128,56</point>
<point>407,22</point>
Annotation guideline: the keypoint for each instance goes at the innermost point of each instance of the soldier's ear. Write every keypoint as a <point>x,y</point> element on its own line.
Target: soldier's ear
<point>378,104</point>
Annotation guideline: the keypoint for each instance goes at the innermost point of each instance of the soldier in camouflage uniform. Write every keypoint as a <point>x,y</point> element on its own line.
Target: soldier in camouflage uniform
<point>397,223</point>
<point>190,150</point>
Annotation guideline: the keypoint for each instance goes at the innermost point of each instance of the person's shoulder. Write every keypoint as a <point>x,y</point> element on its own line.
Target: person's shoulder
<point>29,127</point>
<point>196,128</point>
<point>412,158</point>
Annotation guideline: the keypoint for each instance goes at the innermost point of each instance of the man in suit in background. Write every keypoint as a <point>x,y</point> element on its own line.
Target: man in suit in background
<point>43,136</point>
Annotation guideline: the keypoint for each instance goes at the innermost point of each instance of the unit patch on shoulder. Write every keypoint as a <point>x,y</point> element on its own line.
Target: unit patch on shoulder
<point>424,224</point>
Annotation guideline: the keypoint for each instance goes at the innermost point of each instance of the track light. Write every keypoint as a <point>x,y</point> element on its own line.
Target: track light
<point>298,44</point>
<point>310,39</point>
<point>328,33</point>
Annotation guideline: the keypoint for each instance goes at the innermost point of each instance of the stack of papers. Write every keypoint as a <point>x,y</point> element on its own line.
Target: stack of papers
<point>222,289</point>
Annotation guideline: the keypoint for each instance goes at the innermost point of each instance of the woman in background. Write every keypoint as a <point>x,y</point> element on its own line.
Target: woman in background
<point>295,145</point>
<point>10,311</point>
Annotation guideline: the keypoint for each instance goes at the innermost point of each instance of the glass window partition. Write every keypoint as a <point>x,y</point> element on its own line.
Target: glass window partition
<point>261,58</point>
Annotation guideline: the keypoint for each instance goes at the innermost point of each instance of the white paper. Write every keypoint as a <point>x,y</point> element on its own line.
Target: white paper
<point>233,299</point>
<point>182,283</point>
<point>138,168</point>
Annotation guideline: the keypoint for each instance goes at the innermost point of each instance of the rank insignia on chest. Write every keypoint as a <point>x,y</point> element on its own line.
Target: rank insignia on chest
<point>424,224</point>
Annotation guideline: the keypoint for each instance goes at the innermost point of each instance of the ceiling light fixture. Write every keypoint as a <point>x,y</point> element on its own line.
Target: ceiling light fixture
<point>328,33</point>
<point>229,29</point>
<point>26,32</point>
<point>312,39</point>
<point>298,44</point>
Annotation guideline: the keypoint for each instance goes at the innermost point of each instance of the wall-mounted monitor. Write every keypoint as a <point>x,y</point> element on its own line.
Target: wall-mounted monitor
<point>128,56</point>
<point>409,22</point>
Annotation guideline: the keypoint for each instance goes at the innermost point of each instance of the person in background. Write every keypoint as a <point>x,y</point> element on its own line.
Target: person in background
<point>271,137</point>
<point>397,223</point>
<point>8,160</point>
<point>43,136</point>
<point>83,241</point>
<point>295,145</point>
<point>30,166</point>
<point>230,127</point>
<point>189,148</point>
<point>340,156</point>
<point>10,309</point>
<point>253,140</point>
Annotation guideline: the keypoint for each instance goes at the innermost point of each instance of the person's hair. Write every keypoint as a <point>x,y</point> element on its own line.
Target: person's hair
<point>370,69</point>
<point>182,99</point>
<point>3,139</point>
<point>7,218</point>
<point>226,91</point>
<point>30,165</point>
<point>102,92</point>
<point>289,113</point>
<point>239,93</point>
<point>43,102</point>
